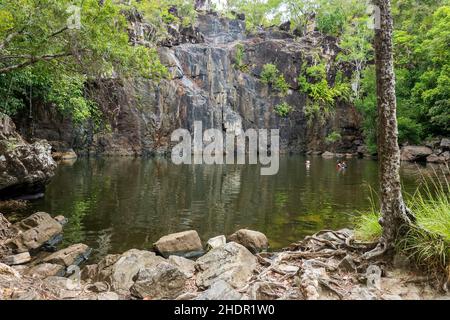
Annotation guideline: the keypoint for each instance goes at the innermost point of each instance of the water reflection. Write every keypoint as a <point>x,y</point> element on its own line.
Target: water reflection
<point>114,204</point>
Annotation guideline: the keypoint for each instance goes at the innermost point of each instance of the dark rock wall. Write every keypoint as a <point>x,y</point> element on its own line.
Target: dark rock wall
<point>205,86</point>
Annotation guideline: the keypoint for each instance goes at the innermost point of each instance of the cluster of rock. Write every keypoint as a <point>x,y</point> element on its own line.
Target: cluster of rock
<point>437,151</point>
<point>324,266</point>
<point>29,271</point>
<point>25,168</point>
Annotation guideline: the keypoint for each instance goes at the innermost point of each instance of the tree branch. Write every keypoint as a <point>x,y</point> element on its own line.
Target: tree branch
<point>33,60</point>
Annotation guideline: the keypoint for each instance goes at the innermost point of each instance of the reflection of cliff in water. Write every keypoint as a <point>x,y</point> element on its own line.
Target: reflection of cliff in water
<point>120,203</point>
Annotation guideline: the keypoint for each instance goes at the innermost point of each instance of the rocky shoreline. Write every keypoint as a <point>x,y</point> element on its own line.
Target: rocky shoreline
<point>326,266</point>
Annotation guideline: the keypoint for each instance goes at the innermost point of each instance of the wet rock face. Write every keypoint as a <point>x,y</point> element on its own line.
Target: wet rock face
<point>205,85</point>
<point>25,168</point>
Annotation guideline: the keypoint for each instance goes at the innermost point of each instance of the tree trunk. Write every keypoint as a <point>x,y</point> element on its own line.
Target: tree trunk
<point>394,214</point>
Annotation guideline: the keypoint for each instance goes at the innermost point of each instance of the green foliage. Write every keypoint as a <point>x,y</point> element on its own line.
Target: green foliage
<point>283,109</point>
<point>271,75</point>
<point>42,58</point>
<point>321,95</point>
<point>427,243</point>
<point>239,58</point>
<point>258,13</point>
<point>333,137</point>
<point>331,22</point>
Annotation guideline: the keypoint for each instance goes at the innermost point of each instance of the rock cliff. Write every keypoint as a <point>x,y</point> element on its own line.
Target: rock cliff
<point>205,85</point>
<point>25,168</point>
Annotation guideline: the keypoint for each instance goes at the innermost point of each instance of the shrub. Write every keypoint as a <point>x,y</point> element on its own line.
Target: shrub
<point>269,73</point>
<point>239,58</point>
<point>333,137</point>
<point>321,95</point>
<point>283,109</point>
<point>272,76</point>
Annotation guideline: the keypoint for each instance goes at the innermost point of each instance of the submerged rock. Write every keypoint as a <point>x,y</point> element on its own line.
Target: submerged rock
<point>33,232</point>
<point>254,241</point>
<point>232,263</point>
<point>328,155</point>
<point>162,281</point>
<point>25,168</point>
<point>179,243</point>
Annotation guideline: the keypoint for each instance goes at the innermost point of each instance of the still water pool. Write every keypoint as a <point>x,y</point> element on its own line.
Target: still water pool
<point>114,204</point>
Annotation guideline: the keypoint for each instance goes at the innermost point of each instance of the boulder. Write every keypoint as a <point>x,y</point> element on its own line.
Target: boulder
<point>89,272</point>
<point>179,243</point>
<point>232,263</point>
<point>62,288</point>
<point>25,168</point>
<point>45,270</point>
<point>61,220</point>
<point>445,143</point>
<point>162,281</point>
<point>64,155</point>
<point>73,255</point>
<point>328,155</point>
<point>102,271</point>
<point>254,241</point>
<point>415,153</point>
<point>216,242</point>
<point>185,265</point>
<point>434,158</point>
<point>17,259</point>
<point>33,232</point>
<point>122,272</point>
<point>220,290</point>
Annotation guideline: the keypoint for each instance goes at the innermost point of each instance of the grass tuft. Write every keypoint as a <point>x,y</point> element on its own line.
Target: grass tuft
<point>427,243</point>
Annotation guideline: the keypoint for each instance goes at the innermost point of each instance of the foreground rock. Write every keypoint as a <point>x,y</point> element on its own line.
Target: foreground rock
<point>185,265</point>
<point>187,242</point>
<point>220,290</point>
<point>33,232</point>
<point>25,168</point>
<point>216,242</point>
<point>232,263</point>
<point>73,255</point>
<point>162,281</point>
<point>415,153</point>
<point>46,270</point>
<point>17,259</point>
<point>120,274</point>
<point>254,241</point>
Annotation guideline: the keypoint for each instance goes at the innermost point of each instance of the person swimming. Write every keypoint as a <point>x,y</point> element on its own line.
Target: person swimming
<point>341,165</point>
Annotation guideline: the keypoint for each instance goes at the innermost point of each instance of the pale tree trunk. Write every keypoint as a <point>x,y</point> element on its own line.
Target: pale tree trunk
<point>393,210</point>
